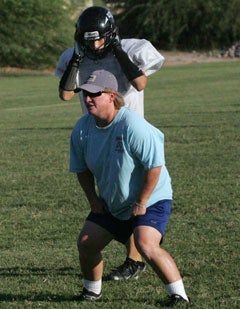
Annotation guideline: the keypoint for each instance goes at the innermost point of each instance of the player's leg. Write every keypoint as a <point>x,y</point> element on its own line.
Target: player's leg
<point>132,251</point>
<point>132,266</point>
<point>147,240</point>
<point>148,233</point>
<point>92,239</point>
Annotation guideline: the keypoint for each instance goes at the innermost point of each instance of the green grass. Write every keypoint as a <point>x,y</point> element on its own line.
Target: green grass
<point>42,207</point>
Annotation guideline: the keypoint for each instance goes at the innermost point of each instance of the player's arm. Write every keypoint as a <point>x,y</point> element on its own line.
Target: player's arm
<point>67,85</point>
<point>150,181</point>
<point>135,75</point>
<point>87,182</point>
<point>65,95</point>
<point>140,82</point>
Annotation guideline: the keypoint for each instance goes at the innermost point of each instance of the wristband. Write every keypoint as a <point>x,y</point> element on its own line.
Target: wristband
<point>130,69</point>
<point>68,80</point>
<point>140,205</point>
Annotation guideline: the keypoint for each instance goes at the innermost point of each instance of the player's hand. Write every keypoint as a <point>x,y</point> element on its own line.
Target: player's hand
<point>138,209</point>
<point>78,51</point>
<point>68,80</point>
<point>115,43</point>
<point>115,40</point>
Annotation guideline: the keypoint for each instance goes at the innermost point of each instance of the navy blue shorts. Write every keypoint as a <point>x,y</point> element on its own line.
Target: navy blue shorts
<point>156,216</point>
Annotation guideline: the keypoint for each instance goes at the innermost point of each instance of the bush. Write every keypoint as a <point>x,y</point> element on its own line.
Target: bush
<point>33,33</point>
<point>185,25</point>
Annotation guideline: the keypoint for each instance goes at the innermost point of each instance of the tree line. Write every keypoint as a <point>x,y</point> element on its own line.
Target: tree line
<point>33,33</point>
<point>181,24</point>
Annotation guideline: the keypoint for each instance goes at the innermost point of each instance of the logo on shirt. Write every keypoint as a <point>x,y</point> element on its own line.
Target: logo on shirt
<point>119,144</point>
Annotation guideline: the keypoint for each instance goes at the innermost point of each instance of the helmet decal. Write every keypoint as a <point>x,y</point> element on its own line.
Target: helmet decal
<point>109,15</point>
<point>94,35</point>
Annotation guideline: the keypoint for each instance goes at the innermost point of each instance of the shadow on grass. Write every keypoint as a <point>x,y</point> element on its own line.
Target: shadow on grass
<point>37,297</point>
<point>53,297</point>
<point>37,271</point>
<point>41,271</point>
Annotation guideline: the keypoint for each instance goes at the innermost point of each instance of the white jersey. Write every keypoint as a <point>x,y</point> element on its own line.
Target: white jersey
<point>141,52</point>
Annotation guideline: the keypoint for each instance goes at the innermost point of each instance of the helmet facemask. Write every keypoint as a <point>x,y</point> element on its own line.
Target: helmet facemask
<point>90,52</point>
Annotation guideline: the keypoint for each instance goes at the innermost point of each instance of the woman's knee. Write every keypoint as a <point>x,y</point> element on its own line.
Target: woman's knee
<point>84,245</point>
<point>146,247</point>
<point>142,246</point>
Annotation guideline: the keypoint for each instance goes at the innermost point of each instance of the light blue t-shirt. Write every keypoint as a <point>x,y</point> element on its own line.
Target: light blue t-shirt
<point>118,156</point>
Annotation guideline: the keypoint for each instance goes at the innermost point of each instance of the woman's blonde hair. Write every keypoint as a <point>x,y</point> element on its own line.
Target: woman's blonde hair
<point>118,101</point>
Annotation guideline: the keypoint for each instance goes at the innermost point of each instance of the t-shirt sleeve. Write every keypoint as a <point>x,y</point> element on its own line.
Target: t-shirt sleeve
<point>146,143</point>
<point>77,162</point>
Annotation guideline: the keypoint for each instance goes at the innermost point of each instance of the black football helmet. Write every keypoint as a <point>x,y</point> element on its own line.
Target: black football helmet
<point>94,23</point>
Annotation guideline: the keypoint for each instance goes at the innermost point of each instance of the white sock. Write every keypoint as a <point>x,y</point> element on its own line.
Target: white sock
<point>177,287</point>
<point>93,286</point>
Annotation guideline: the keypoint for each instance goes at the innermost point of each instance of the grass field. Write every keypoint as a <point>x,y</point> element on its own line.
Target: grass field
<point>42,207</point>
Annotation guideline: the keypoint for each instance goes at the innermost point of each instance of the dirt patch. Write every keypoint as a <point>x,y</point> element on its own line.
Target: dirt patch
<point>171,58</point>
<point>178,58</point>
<point>27,71</point>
